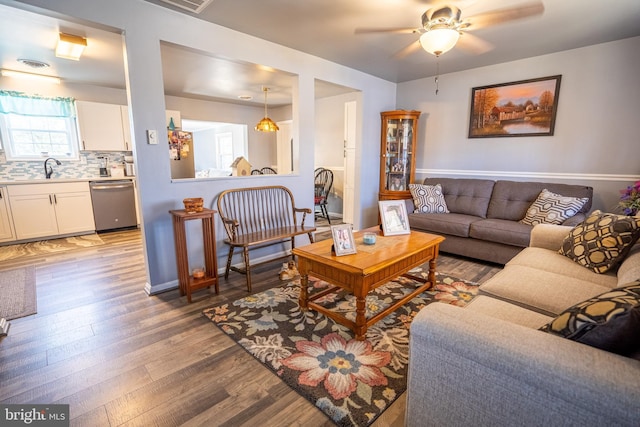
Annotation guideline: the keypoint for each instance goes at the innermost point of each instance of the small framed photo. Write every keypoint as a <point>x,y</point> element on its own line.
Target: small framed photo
<point>393,214</point>
<point>343,241</point>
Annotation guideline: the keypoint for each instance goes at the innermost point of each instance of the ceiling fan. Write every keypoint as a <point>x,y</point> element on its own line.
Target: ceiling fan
<point>442,28</point>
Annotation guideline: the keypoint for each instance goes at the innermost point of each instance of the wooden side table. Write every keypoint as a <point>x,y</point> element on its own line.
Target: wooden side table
<point>187,282</point>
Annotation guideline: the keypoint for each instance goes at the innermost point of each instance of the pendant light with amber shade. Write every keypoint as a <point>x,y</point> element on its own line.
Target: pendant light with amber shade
<point>266,124</point>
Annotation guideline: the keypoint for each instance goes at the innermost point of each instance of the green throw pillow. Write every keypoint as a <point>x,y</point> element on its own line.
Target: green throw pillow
<point>601,241</point>
<point>610,321</point>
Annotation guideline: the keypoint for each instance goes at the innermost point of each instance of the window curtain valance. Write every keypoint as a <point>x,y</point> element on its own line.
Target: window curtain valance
<point>33,105</point>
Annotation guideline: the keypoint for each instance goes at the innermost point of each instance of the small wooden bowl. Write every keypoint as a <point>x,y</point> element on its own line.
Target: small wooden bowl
<point>198,273</point>
<point>193,204</point>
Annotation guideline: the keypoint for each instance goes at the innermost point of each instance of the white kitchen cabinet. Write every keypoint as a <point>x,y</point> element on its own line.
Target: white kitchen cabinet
<point>45,210</point>
<point>7,233</point>
<point>102,127</point>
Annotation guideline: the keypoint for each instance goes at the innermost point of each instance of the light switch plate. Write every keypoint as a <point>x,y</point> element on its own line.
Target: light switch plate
<point>152,136</point>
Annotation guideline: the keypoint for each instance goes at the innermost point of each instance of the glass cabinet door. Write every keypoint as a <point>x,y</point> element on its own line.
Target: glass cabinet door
<point>397,162</point>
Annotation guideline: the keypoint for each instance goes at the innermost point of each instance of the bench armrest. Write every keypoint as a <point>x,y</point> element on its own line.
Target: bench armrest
<point>304,212</point>
<point>231,225</point>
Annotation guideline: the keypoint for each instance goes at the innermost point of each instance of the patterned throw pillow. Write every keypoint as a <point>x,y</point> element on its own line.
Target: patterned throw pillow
<point>601,241</point>
<point>552,208</point>
<point>428,198</point>
<point>610,321</point>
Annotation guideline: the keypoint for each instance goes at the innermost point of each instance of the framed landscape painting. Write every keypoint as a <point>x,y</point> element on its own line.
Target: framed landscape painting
<point>522,108</point>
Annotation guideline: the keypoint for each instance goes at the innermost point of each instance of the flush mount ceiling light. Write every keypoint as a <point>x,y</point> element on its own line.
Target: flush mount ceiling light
<point>30,76</point>
<point>266,124</point>
<point>70,46</point>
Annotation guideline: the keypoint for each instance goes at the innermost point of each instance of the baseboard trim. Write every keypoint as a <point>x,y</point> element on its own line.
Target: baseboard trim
<point>160,288</point>
<point>173,284</point>
<point>537,175</point>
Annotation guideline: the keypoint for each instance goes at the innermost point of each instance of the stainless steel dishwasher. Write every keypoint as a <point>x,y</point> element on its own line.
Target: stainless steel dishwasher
<point>114,204</point>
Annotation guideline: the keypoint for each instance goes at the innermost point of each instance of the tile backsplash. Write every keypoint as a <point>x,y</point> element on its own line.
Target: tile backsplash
<point>87,167</point>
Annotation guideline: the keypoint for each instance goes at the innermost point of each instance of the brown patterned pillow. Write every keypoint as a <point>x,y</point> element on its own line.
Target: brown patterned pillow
<point>610,321</point>
<point>552,208</point>
<point>601,241</point>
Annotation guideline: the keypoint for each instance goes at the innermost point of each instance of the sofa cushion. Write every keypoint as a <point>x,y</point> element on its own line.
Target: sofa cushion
<point>465,196</point>
<point>552,208</point>
<point>428,198</point>
<point>610,321</point>
<point>553,262</point>
<point>601,241</point>
<point>629,269</point>
<point>501,231</point>
<point>511,199</point>
<point>546,292</point>
<point>509,312</point>
<point>451,223</point>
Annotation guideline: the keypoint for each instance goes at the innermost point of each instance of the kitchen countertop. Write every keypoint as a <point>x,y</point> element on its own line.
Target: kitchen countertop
<point>63,180</point>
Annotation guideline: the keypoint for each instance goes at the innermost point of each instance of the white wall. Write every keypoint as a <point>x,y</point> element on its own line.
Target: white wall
<point>329,147</point>
<point>145,94</point>
<point>595,142</point>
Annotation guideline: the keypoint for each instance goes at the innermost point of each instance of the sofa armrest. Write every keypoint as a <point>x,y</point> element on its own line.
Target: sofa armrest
<point>548,236</point>
<point>409,205</point>
<point>467,368</point>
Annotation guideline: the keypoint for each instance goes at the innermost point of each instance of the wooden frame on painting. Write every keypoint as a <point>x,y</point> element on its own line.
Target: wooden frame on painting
<point>522,108</point>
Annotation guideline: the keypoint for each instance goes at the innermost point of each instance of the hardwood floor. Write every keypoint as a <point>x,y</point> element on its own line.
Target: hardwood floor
<point>120,357</point>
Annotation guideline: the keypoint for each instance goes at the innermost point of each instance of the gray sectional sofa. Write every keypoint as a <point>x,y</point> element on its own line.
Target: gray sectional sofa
<point>484,214</point>
<point>488,364</point>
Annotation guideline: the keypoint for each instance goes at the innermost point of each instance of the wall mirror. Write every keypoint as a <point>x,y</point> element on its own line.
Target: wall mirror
<point>220,101</point>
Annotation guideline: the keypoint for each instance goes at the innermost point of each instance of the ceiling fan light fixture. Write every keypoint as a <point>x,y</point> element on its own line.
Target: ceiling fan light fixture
<point>439,40</point>
<point>70,46</point>
<point>266,124</point>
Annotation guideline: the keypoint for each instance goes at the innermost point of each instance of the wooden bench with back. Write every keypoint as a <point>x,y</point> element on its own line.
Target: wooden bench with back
<point>257,217</point>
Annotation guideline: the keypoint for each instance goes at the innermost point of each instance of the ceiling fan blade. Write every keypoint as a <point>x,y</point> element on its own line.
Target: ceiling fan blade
<point>473,44</point>
<point>504,15</point>
<point>413,47</point>
<point>386,30</point>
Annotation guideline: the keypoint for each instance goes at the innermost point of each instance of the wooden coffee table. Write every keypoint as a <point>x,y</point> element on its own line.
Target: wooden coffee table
<point>362,272</point>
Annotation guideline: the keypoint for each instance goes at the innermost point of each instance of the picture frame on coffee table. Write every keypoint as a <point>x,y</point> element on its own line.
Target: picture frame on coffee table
<point>343,241</point>
<point>395,220</point>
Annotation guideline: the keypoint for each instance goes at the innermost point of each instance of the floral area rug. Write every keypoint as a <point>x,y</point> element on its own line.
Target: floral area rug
<point>351,381</point>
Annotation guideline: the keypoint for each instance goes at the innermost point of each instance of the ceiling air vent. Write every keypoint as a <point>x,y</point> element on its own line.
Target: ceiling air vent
<point>33,63</point>
<point>195,6</point>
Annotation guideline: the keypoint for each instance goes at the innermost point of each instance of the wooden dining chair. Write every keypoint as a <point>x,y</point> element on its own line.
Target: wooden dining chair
<point>322,187</point>
<point>268,171</point>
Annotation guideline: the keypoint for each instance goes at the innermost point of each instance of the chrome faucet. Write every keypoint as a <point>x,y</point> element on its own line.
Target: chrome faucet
<point>48,172</point>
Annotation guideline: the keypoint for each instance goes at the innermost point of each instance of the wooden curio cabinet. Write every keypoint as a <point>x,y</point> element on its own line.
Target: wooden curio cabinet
<point>397,153</point>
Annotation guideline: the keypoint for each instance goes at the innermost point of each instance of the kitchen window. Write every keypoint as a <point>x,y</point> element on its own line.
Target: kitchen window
<point>34,127</point>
